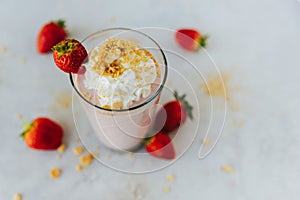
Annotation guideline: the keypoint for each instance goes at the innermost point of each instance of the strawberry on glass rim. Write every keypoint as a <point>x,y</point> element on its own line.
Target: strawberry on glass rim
<point>68,55</point>
<point>190,39</point>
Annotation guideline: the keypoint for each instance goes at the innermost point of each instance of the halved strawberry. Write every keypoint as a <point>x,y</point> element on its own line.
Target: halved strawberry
<point>160,145</point>
<point>190,39</point>
<point>68,55</point>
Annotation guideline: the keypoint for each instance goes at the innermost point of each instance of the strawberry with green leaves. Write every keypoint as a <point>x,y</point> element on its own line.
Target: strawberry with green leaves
<point>68,55</point>
<point>176,112</point>
<point>160,145</point>
<point>43,133</point>
<point>50,34</point>
<point>190,39</point>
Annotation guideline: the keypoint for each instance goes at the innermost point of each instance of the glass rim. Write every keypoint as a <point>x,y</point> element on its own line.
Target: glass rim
<point>147,100</point>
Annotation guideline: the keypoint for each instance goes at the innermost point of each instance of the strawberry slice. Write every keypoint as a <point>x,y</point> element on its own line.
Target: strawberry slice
<point>160,145</point>
<point>50,34</point>
<point>190,39</point>
<point>68,55</point>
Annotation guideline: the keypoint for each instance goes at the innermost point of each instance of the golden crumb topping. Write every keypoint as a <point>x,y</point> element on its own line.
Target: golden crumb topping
<point>112,56</point>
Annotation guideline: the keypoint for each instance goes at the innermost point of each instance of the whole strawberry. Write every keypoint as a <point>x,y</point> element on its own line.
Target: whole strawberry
<point>190,39</point>
<point>160,145</point>
<point>176,112</point>
<point>50,34</point>
<point>68,55</point>
<point>43,133</point>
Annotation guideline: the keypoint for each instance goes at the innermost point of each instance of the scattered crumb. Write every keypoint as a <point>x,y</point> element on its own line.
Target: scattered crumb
<point>63,99</point>
<point>217,86</point>
<point>58,156</point>
<point>168,83</point>
<point>131,155</point>
<point>206,140</point>
<point>95,154</point>
<point>61,148</point>
<point>232,183</point>
<point>22,60</point>
<point>227,168</point>
<point>235,107</point>
<point>113,20</point>
<point>87,133</point>
<point>55,173</point>
<point>3,49</point>
<point>108,156</point>
<point>17,196</point>
<point>170,177</point>
<point>77,140</point>
<point>231,123</point>
<point>98,147</point>
<point>86,160</point>
<point>78,150</point>
<point>241,123</point>
<point>167,188</point>
<point>19,116</point>
<point>11,55</point>
<point>78,168</point>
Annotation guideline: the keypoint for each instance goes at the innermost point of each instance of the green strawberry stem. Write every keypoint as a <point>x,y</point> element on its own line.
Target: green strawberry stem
<point>187,107</point>
<point>60,23</point>
<point>27,127</point>
<point>64,47</point>
<point>202,41</point>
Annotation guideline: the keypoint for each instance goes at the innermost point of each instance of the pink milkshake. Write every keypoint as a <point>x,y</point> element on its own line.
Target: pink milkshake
<point>120,85</point>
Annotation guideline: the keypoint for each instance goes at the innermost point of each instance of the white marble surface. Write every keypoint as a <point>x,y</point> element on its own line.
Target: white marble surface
<point>255,40</point>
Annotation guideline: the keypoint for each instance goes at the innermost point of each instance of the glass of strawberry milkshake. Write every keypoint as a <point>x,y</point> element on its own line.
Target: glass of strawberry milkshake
<point>119,85</point>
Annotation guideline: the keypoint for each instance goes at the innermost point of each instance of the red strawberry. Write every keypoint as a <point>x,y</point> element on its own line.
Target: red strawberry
<point>176,112</point>
<point>43,133</point>
<point>190,39</point>
<point>68,55</point>
<point>50,34</point>
<point>160,145</point>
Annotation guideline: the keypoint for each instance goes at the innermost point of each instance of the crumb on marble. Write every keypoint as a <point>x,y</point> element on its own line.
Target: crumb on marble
<point>167,188</point>
<point>58,156</point>
<point>95,154</point>
<point>108,156</point>
<point>19,116</point>
<point>170,177</point>
<point>17,196</point>
<point>235,107</point>
<point>87,134</point>
<point>241,123</point>
<point>113,20</point>
<point>217,86</point>
<point>78,168</point>
<point>77,150</point>
<point>3,49</point>
<point>77,140</point>
<point>227,168</point>
<point>22,60</point>
<point>131,155</point>
<point>206,140</point>
<point>55,173</point>
<point>61,148</point>
<point>86,160</point>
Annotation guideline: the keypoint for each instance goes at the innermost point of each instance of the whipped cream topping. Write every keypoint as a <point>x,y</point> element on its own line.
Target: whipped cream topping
<point>120,72</point>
